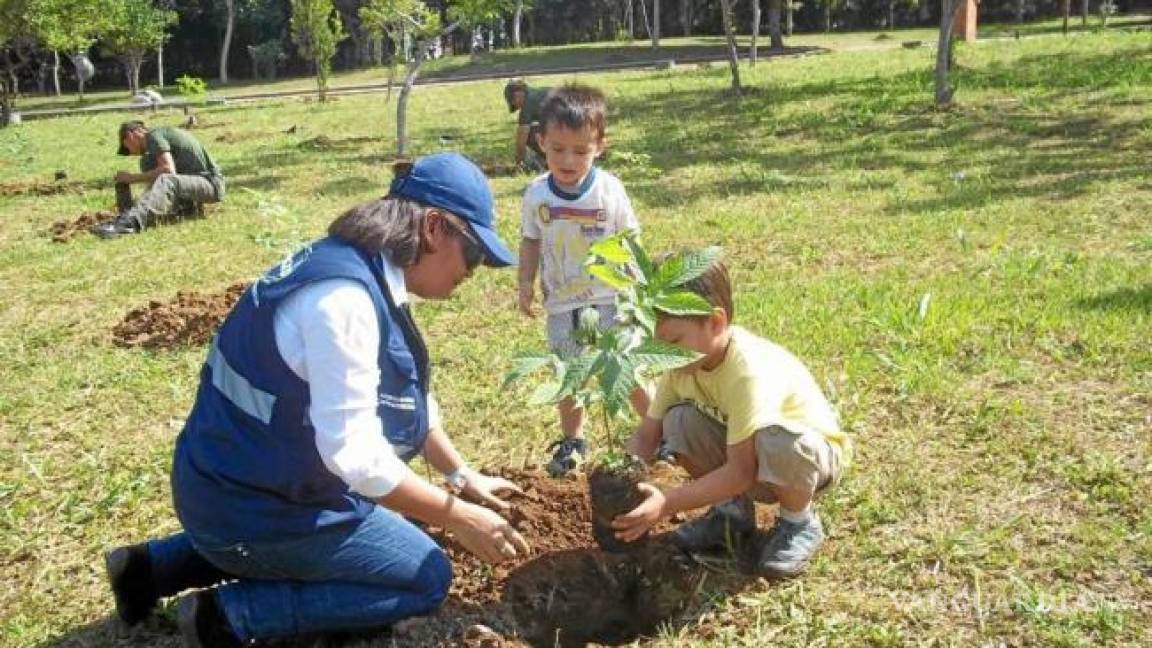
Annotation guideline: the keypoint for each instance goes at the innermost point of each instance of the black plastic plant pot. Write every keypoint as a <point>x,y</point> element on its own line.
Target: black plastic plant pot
<point>613,491</point>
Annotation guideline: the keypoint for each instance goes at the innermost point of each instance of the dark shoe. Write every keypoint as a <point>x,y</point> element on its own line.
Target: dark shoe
<point>665,454</point>
<point>115,228</point>
<point>130,575</point>
<point>790,546</point>
<point>202,623</point>
<point>724,526</point>
<point>570,453</point>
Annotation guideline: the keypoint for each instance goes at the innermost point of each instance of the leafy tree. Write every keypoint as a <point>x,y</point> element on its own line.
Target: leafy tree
<point>400,20</point>
<point>317,31</point>
<point>134,28</point>
<point>16,38</point>
<point>474,13</point>
<point>70,26</point>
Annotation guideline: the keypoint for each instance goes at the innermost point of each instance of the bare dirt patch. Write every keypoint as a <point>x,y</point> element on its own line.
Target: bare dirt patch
<point>566,592</point>
<point>43,188</point>
<point>190,319</point>
<point>65,230</point>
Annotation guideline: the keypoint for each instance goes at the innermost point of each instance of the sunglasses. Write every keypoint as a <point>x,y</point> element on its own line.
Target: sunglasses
<point>472,249</point>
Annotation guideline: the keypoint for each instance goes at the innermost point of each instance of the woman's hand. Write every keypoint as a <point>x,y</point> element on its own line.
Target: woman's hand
<point>486,535</point>
<point>639,520</point>
<point>486,490</point>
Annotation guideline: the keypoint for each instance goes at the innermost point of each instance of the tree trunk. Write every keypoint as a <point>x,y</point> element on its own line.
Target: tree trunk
<point>891,14</point>
<point>730,37</point>
<point>828,16</point>
<point>56,72</point>
<point>686,17</point>
<point>774,24</point>
<point>926,11</point>
<point>516,17</point>
<point>321,79</point>
<point>160,65</point>
<point>132,64</point>
<point>1019,11</point>
<point>752,53</point>
<point>1084,12</point>
<point>655,23</point>
<point>1065,10</point>
<point>791,14</point>
<point>402,106</point>
<point>943,53</point>
<point>231,6</point>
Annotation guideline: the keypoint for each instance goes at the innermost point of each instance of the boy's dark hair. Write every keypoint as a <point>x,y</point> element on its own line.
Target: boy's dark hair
<point>715,287</point>
<point>574,106</point>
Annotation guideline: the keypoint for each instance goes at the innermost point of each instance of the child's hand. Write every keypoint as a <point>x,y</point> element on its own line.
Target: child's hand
<point>639,520</point>
<point>527,296</point>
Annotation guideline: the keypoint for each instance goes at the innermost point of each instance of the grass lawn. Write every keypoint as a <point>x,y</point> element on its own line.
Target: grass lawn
<point>974,288</point>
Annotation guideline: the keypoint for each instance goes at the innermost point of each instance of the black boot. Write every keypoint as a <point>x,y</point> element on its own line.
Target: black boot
<point>130,575</point>
<point>123,224</point>
<point>203,624</point>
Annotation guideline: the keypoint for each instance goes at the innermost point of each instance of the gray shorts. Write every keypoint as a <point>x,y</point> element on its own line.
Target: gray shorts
<point>562,325</point>
<point>783,458</point>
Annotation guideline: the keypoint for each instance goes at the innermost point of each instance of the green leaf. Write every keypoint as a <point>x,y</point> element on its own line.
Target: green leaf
<point>667,272</point>
<point>610,249</point>
<point>545,394</point>
<point>614,278</point>
<point>525,364</point>
<point>681,303</point>
<point>643,262</point>
<point>654,357</point>
<point>693,264</point>
<point>616,384</point>
<point>577,372</point>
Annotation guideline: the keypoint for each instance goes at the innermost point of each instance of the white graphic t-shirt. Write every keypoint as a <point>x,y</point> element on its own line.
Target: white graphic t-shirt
<point>567,224</point>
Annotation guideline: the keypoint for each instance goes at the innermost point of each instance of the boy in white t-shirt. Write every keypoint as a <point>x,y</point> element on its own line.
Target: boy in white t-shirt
<point>565,211</point>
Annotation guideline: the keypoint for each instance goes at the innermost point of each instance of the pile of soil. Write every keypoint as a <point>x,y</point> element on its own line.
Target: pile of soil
<point>498,170</point>
<point>566,591</point>
<point>191,319</point>
<point>65,230</point>
<point>39,188</point>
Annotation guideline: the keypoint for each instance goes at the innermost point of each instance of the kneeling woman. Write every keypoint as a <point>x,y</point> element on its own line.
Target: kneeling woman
<point>290,477</point>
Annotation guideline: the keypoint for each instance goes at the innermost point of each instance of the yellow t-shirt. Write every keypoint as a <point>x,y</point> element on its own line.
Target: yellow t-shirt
<point>758,384</point>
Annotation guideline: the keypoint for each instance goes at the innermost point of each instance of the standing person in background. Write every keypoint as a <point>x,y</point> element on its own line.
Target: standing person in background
<point>180,174</point>
<point>290,477</point>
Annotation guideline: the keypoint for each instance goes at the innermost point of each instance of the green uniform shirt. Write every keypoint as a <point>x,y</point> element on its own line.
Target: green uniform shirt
<point>533,99</point>
<point>189,156</point>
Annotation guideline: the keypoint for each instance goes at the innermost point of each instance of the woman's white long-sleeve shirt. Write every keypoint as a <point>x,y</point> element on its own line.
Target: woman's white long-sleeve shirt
<point>328,335</point>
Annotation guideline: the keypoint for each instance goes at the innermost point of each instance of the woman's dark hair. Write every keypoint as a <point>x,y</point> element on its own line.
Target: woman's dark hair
<point>389,224</point>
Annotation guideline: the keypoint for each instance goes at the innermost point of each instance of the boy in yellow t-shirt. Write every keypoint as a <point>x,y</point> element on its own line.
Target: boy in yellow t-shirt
<point>748,422</point>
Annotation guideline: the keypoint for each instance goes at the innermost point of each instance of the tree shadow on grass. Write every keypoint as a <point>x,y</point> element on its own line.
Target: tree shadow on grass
<point>1137,300</point>
<point>886,124</point>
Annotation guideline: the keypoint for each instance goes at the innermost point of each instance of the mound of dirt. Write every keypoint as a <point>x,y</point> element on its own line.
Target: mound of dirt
<point>566,592</point>
<point>498,170</point>
<point>64,231</point>
<point>191,319</point>
<point>38,188</point>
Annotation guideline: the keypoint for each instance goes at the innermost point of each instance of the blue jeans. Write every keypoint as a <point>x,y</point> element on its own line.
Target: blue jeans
<point>346,577</point>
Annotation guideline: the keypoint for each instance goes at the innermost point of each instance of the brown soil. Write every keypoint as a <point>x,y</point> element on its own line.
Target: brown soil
<point>191,319</point>
<point>566,591</point>
<point>64,231</point>
<point>495,170</point>
<point>47,188</point>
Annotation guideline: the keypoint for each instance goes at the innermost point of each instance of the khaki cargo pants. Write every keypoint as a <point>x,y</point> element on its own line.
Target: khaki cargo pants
<point>783,458</point>
<point>170,195</point>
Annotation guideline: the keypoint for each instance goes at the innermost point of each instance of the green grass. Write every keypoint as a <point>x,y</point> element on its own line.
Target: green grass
<point>973,287</point>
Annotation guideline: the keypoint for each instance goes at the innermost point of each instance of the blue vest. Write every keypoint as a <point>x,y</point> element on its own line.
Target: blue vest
<point>246,465</point>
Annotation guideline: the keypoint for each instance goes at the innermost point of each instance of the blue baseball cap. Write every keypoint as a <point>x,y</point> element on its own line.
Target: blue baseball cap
<point>454,183</point>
